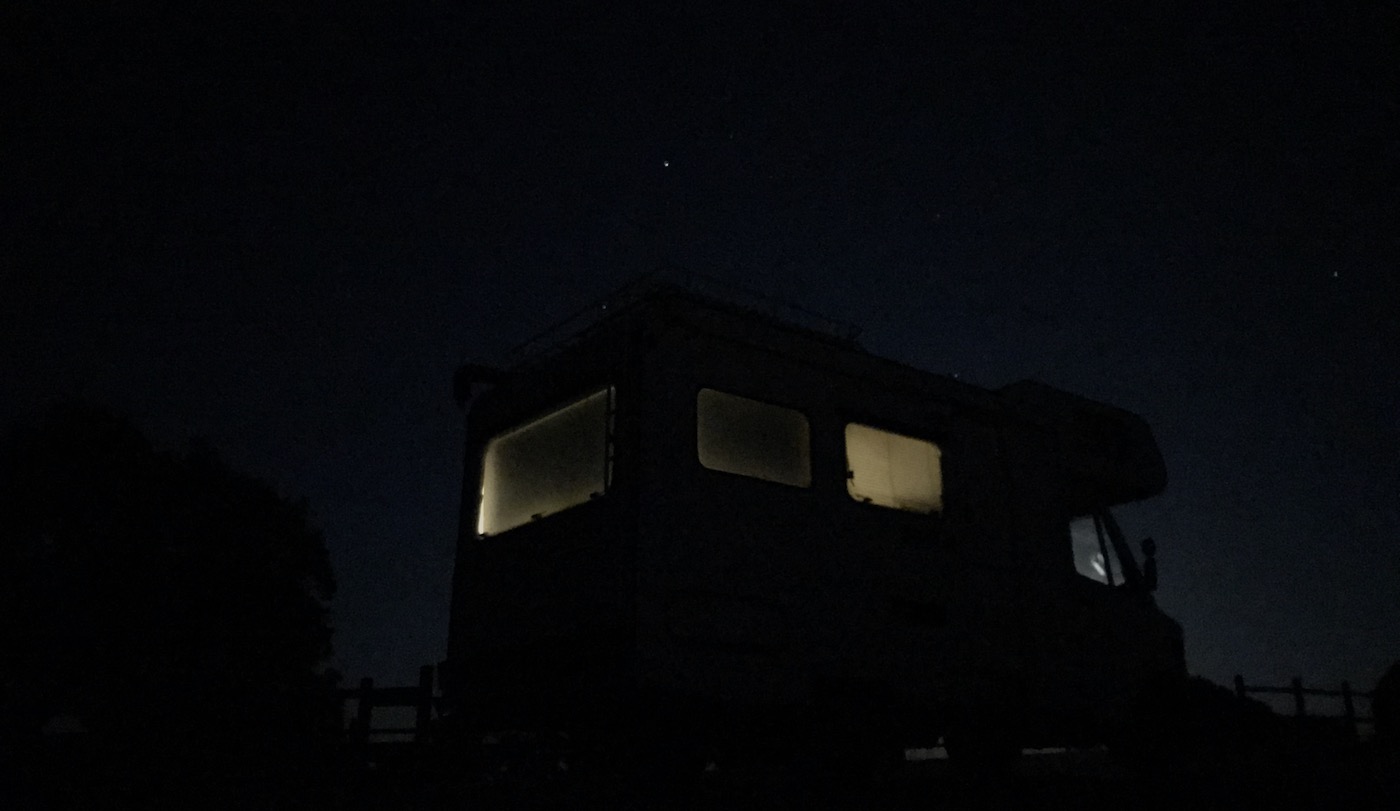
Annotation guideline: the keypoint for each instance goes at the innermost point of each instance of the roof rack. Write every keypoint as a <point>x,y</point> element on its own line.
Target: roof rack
<point>700,286</point>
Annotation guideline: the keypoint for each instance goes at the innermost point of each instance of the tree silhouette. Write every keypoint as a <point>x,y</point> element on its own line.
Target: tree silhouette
<point>1385,706</point>
<point>173,608</point>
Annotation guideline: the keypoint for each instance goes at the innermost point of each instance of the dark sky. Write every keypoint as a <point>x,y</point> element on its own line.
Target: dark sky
<point>281,225</point>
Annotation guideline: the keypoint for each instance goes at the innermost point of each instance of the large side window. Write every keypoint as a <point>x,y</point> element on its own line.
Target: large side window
<point>551,464</point>
<point>893,470</point>
<point>1094,556</point>
<point>738,435</point>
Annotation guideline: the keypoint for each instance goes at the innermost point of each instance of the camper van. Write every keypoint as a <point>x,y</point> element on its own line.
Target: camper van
<point>722,519</point>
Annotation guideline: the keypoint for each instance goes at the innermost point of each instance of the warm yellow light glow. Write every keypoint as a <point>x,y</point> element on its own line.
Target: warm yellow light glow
<point>893,470</point>
<point>553,463</point>
<point>738,435</point>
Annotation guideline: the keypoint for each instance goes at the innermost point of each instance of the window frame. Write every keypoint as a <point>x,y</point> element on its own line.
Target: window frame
<point>1115,574</point>
<point>609,454</point>
<point>810,480</point>
<point>1124,567</point>
<point>933,438</point>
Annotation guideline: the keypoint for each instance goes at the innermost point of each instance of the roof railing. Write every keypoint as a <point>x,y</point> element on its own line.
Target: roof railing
<point>700,286</point>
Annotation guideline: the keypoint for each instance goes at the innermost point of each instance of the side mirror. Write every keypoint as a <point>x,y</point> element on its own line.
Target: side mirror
<point>1149,564</point>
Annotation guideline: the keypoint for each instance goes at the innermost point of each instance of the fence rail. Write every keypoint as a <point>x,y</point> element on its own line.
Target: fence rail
<point>1300,695</point>
<point>421,698</point>
<point>367,697</point>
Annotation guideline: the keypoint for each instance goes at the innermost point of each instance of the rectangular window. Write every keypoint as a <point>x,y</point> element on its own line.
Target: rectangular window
<point>893,470</point>
<point>558,461</point>
<point>738,435</point>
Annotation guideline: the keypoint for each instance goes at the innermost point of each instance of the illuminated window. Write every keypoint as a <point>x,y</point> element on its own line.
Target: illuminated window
<point>1094,557</point>
<point>743,436</point>
<point>893,470</point>
<point>558,461</point>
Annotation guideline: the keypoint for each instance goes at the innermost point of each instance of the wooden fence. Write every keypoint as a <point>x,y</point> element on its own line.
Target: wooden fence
<point>1300,694</point>
<point>421,698</point>
<point>367,697</point>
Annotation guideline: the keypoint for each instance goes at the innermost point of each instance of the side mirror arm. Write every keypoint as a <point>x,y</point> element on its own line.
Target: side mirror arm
<point>1149,564</point>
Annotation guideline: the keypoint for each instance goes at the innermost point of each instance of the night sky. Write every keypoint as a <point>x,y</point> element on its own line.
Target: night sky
<point>282,225</point>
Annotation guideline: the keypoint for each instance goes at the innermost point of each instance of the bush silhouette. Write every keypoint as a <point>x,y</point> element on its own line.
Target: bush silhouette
<point>173,608</point>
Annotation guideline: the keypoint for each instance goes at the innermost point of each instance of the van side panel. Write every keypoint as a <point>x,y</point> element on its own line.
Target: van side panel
<point>755,593</point>
<point>542,626</point>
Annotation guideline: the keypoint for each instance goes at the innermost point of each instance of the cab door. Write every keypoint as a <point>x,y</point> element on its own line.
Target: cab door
<point>1110,622</point>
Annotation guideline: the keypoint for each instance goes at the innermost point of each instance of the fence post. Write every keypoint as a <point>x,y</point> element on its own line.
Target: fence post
<point>364,711</point>
<point>1239,686</point>
<point>1350,708</point>
<point>424,715</point>
<point>1299,709</point>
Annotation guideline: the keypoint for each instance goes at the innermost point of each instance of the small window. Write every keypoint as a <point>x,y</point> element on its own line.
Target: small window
<point>738,435</point>
<point>1094,557</point>
<point>558,461</point>
<point>893,470</point>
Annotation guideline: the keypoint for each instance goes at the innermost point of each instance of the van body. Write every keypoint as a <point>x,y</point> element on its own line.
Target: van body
<point>694,505</point>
